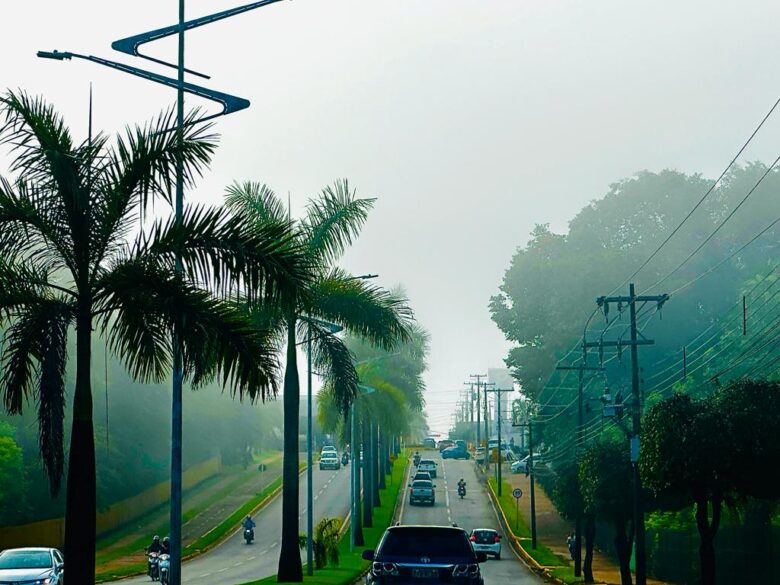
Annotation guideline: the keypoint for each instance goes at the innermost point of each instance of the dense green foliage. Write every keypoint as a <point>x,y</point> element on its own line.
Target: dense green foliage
<point>550,288</point>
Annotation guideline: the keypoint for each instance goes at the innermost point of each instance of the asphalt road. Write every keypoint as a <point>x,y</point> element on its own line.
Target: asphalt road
<point>473,511</point>
<point>234,561</point>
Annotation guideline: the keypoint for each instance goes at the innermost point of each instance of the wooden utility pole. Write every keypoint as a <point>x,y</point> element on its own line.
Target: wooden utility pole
<point>581,369</point>
<point>636,410</point>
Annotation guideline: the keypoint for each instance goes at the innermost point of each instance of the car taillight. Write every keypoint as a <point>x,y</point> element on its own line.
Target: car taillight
<point>498,538</point>
<point>473,538</point>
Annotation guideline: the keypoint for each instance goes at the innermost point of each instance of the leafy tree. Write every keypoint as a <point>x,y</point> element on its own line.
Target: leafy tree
<point>687,458</point>
<point>326,542</point>
<point>331,223</point>
<point>605,484</point>
<point>12,485</point>
<point>65,261</point>
<point>566,496</point>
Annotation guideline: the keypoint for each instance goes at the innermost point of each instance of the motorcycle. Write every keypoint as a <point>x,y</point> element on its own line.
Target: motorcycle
<point>344,459</point>
<point>416,459</point>
<point>249,535</point>
<point>462,491</point>
<point>154,566</point>
<point>164,568</point>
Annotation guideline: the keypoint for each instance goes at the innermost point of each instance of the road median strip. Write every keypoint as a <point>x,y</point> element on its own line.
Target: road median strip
<point>351,565</point>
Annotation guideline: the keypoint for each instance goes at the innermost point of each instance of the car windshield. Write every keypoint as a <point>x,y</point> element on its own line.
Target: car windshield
<point>481,534</point>
<point>425,541</point>
<point>329,456</point>
<point>422,483</point>
<point>427,462</point>
<point>25,559</point>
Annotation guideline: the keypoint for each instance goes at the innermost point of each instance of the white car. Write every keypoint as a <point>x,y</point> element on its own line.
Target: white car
<point>522,465</point>
<point>32,565</point>
<point>330,460</point>
<point>486,540</point>
<point>428,465</point>
<point>328,449</point>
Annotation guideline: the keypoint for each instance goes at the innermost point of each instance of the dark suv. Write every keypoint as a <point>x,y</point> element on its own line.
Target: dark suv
<point>424,554</point>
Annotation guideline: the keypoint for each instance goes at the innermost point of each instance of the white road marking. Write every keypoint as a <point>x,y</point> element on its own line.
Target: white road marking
<point>238,564</point>
<point>222,570</point>
<point>403,499</point>
<point>205,575</point>
<point>253,557</point>
<point>446,493</point>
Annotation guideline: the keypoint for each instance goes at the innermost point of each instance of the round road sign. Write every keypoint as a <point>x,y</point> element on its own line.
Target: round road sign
<point>517,493</point>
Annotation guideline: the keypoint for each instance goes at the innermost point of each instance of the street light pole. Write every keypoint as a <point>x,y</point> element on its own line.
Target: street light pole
<point>178,373</point>
<point>309,472</point>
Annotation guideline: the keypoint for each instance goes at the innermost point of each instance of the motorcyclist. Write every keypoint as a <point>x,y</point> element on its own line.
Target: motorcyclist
<point>166,546</point>
<point>416,457</point>
<point>461,485</point>
<point>156,546</point>
<point>248,524</point>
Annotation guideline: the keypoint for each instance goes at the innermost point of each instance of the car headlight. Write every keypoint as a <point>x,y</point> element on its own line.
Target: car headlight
<point>45,581</point>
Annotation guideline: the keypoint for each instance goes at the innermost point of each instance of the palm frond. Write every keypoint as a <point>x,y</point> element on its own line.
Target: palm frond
<point>334,220</point>
<point>143,305</point>
<point>36,351</point>
<point>229,252</point>
<point>143,165</point>
<point>31,223</point>
<point>255,201</point>
<point>332,357</point>
<point>381,317</point>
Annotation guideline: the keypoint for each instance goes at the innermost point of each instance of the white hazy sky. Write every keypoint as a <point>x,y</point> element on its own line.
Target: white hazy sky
<point>470,120</point>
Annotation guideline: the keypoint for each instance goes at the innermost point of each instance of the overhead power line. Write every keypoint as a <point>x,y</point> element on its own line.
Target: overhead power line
<point>700,201</point>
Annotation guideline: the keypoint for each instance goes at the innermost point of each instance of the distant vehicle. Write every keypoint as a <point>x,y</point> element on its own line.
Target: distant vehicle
<point>165,568</point>
<point>461,443</point>
<point>32,565</point>
<point>486,540</point>
<point>429,443</point>
<point>422,492</point>
<point>444,444</point>
<point>428,465</point>
<point>416,459</point>
<point>422,475</point>
<point>522,465</point>
<point>455,453</point>
<point>479,456</point>
<point>329,449</point>
<point>424,554</point>
<point>330,460</point>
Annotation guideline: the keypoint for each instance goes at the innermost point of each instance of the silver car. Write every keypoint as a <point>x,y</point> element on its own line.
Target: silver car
<point>32,566</point>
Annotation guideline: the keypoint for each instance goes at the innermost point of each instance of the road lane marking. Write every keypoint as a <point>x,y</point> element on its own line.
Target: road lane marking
<point>205,575</point>
<point>238,564</point>
<point>253,557</point>
<point>446,493</point>
<point>222,570</point>
<point>403,499</point>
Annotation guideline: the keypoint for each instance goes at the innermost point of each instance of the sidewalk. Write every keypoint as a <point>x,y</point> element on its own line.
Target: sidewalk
<point>204,507</point>
<point>551,529</point>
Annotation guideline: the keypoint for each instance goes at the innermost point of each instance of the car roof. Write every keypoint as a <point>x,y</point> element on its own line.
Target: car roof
<point>402,527</point>
<point>484,530</point>
<point>427,461</point>
<point>29,549</point>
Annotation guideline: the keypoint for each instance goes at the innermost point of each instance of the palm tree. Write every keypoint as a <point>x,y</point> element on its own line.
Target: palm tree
<point>331,223</point>
<point>65,261</point>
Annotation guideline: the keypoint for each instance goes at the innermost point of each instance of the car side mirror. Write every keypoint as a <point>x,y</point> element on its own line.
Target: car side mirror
<point>481,557</point>
<point>368,555</point>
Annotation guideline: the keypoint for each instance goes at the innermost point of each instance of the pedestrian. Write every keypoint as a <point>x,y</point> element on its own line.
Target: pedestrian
<point>571,543</point>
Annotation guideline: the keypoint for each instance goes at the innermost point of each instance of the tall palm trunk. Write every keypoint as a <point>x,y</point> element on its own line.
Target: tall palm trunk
<point>382,459</point>
<point>290,569</point>
<point>81,499</point>
<point>368,475</point>
<point>357,522</point>
<point>375,464</point>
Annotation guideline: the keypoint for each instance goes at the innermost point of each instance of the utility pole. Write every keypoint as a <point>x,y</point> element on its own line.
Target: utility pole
<point>581,369</point>
<point>530,473</point>
<point>636,410</point>
<point>478,378</point>
<point>487,434</point>
<point>498,392</point>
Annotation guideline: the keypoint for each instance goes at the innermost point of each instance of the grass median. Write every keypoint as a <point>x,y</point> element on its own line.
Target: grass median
<point>198,546</point>
<point>351,564</point>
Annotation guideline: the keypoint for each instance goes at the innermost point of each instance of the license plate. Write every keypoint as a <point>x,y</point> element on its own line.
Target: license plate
<point>425,573</point>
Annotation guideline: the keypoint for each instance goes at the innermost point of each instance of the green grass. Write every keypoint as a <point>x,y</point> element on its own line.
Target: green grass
<point>542,554</point>
<point>565,574</point>
<point>351,564</point>
<point>194,548</point>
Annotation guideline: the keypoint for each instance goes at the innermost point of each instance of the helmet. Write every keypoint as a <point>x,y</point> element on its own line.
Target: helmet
<point>166,540</point>
<point>156,538</point>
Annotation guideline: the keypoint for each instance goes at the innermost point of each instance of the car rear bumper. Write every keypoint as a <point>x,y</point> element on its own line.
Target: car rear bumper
<point>491,549</point>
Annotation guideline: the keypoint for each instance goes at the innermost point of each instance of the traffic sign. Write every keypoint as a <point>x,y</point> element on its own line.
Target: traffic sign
<point>517,493</point>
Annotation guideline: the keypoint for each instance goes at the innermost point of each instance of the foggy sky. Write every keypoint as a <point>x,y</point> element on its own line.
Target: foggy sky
<point>470,120</point>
